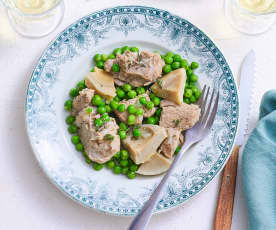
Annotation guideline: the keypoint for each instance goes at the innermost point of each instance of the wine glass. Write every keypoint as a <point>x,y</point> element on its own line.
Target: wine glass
<point>251,16</point>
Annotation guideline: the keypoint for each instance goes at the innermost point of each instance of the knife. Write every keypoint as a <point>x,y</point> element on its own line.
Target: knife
<point>224,209</point>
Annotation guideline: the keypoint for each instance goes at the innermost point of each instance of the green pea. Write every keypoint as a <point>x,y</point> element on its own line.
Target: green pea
<point>186,100</point>
<point>68,105</point>
<point>177,58</point>
<point>132,94</point>
<point>105,118</point>
<point>81,85</point>
<point>98,122</point>
<point>143,100</point>
<point>75,139</point>
<point>87,160</point>
<point>117,155</point>
<point>70,119</point>
<point>184,64</point>
<point>114,104</point>
<point>127,87</point>
<point>140,90</point>
<point>156,101</point>
<point>131,175</point>
<point>177,150</point>
<point>100,64</point>
<point>108,108</point>
<point>120,93</point>
<point>93,69</point>
<point>73,92</point>
<point>110,164</point>
<point>116,98</point>
<point>133,168</point>
<point>117,169</point>
<point>124,163</point>
<point>197,94</point>
<point>101,109</point>
<point>79,147</point>
<point>192,99</point>
<point>131,119</point>
<point>193,78</point>
<point>194,65</point>
<point>97,100</point>
<point>124,154</point>
<point>131,109</point>
<point>72,129</point>
<point>168,60</point>
<point>97,166</point>
<point>122,134</point>
<point>115,68</point>
<point>123,126</point>
<point>124,170</point>
<point>139,112</point>
<point>104,57</point>
<point>89,110</point>
<point>125,48</point>
<point>150,120</point>
<point>111,56</point>
<point>170,54</point>
<point>156,119</point>
<point>102,103</point>
<point>121,108</point>
<point>136,133</point>
<point>175,65</point>
<point>134,49</point>
<point>117,51</point>
<point>97,57</point>
<point>189,72</point>
<point>152,95</point>
<point>167,68</point>
<point>158,112</point>
<point>149,105</point>
<point>188,93</point>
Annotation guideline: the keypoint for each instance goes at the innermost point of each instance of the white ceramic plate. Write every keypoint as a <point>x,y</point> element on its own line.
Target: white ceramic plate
<point>66,61</point>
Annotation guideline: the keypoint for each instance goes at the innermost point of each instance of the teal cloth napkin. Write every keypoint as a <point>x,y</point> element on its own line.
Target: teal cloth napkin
<point>259,168</point>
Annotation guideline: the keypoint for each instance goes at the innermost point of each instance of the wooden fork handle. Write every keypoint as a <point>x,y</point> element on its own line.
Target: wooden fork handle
<point>224,210</point>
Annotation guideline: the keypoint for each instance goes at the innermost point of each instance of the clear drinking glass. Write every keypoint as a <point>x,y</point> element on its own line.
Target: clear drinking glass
<point>34,22</point>
<point>251,16</point>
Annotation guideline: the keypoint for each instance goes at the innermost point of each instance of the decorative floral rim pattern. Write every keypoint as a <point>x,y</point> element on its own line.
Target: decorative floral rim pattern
<point>45,74</point>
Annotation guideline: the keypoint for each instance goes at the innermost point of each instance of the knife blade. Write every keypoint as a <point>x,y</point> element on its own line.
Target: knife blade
<point>246,85</point>
<point>224,209</point>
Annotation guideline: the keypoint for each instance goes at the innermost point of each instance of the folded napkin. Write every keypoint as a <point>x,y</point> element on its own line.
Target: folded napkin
<point>259,168</point>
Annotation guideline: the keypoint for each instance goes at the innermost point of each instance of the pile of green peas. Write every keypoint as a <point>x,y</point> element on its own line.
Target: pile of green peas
<point>100,59</point>
<point>174,61</point>
<point>121,163</point>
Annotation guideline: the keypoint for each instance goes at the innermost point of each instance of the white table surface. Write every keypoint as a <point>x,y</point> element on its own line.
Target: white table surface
<point>29,201</point>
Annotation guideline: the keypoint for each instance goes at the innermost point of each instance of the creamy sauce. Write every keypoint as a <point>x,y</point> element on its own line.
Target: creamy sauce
<point>258,6</point>
<point>34,6</point>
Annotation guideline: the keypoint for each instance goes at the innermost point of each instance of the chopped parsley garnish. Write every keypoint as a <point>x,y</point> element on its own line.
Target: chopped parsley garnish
<point>160,83</point>
<point>108,137</point>
<point>176,122</point>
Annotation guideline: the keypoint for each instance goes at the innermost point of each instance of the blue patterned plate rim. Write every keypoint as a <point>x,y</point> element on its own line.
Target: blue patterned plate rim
<point>149,11</point>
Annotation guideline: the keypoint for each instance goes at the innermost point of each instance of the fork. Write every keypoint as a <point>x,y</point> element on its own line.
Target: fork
<point>199,131</point>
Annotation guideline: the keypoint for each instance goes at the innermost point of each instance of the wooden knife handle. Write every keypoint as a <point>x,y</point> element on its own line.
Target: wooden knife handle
<point>224,210</point>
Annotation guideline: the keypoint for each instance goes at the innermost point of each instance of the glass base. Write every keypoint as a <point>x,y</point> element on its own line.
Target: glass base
<point>36,26</point>
<point>247,23</point>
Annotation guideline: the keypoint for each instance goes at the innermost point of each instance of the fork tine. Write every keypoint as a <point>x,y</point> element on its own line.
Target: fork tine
<point>205,116</point>
<point>213,113</point>
<point>201,96</point>
<point>204,101</point>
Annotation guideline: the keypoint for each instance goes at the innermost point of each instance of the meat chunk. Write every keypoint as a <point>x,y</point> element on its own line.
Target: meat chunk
<point>137,69</point>
<point>180,117</point>
<point>171,142</point>
<point>143,148</point>
<point>82,100</point>
<point>135,101</point>
<point>97,147</point>
<point>84,116</point>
